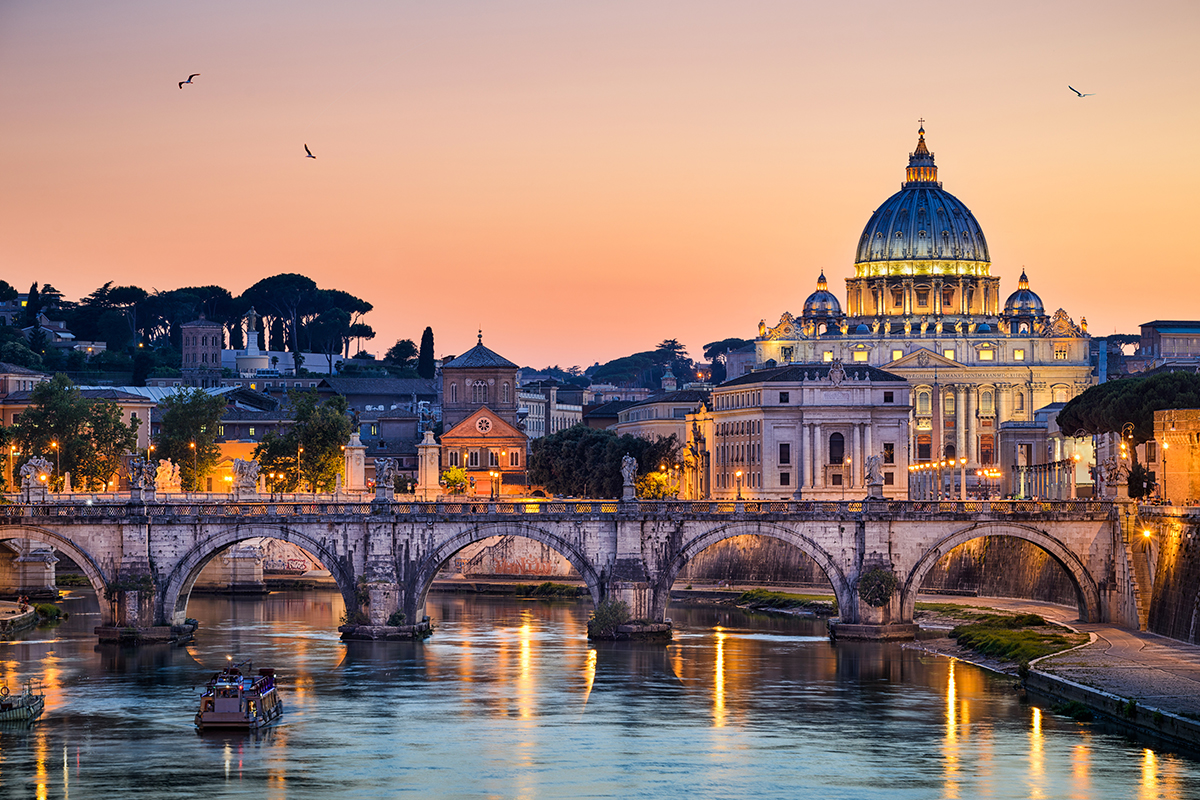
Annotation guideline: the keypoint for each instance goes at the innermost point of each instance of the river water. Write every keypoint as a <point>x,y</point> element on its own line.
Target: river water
<point>509,700</point>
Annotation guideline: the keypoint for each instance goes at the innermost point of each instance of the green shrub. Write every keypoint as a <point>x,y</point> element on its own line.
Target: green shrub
<point>396,619</point>
<point>1075,710</point>
<point>71,579</point>
<point>876,586</point>
<point>49,611</point>
<point>1130,708</point>
<point>355,618</point>
<point>605,619</point>
<point>762,598</point>
<point>547,589</point>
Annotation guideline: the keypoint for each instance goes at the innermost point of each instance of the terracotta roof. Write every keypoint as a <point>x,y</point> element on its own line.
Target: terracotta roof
<point>479,356</point>
<point>399,387</point>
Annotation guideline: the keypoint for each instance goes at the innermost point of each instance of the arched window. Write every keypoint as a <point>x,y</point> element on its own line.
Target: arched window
<point>1060,394</point>
<point>948,402</point>
<point>923,402</point>
<point>986,403</point>
<point>505,395</point>
<point>951,452</point>
<point>837,448</point>
<point>1019,402</point>
<point>454,397</point>
<point>479,392</point>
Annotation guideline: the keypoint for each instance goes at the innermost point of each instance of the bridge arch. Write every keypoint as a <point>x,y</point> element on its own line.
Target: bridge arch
<point>1086,591</point>
<point>183,577</point>
<point>91,569</point>
<point>430,565</point>
<point>691,548</point>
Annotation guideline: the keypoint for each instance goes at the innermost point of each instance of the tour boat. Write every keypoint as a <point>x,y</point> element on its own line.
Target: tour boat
<point>236,701</point>
<point>21,707</point>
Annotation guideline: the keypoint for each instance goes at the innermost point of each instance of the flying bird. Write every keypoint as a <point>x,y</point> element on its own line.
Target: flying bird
<point>189,80</point>
<point>308,153</point>
<point>1081,94</point>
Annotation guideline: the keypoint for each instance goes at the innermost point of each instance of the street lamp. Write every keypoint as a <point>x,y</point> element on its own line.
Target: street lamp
<point>195,479</point>
<point>1163,493</point>
<point>962,479</point>
<point>738,474</point>
<point>845,476</point>
<point>299,477</point>
<point>495,484</point>
<point>58,459</point>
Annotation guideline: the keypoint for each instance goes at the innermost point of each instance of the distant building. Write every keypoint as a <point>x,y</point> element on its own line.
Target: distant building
<point>547,407</point>
<point>1167,343</point>
<point>202,341</point>
<point>479,377</point>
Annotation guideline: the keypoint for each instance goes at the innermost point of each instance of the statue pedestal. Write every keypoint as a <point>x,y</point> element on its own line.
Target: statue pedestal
<point>429,461</point>
<point>875,491</point>
<point>35,494</point>
<point>628,493</point>
<point>245,495</point>
<point>356,464</point>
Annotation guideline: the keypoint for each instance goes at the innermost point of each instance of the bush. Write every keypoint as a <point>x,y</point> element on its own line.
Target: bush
<point>876,586</point>
<point>548,589</point>
<point>71,579</point>
<point>396,619</point>
<point>605,619</point>
<point>355,618</point>
<point>49,611</point>
<point>1075,710</point>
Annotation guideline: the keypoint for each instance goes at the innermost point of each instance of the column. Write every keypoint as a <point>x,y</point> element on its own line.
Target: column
<point>960,422</point>
<point>972,453</point>
<point>868,446</point>
<point>818,451</point>
<point>803,467</point>
<point>855,455</point>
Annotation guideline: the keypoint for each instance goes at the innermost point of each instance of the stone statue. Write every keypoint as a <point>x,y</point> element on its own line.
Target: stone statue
<point>629,467</point>
<point>874,470</point>
<point>166,476</point>
<point>924,325</point>
<point>937,327</point>
<point>762,328</point>
<point>385,472</point>
<point>245,475</point>
<point>837,373</point>
<point>141,473</point>
<point>958,327</point>
<point>32,470</point>
<point>875,325</point>
<point>907,327</point>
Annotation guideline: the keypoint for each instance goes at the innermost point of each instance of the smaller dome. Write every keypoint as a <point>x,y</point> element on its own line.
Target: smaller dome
<point>983,328</point>
<point>1023,301</point>
<point>862,329</point>
<point>822,302</point>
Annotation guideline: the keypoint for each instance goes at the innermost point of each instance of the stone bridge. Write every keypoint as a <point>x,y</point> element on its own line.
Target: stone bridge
<point>143,558</point>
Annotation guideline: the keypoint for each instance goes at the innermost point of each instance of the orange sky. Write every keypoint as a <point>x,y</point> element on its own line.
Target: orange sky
<point>584,179</point>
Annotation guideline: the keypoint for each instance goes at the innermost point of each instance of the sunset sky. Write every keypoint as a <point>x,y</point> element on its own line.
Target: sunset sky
<point>584,179</point>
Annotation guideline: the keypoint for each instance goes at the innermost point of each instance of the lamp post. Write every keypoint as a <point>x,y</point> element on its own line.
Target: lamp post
<point>845,476</point>
<point>12,453</point>
<point>58,459</point>
<point>493,475</point>
<point>299,473</point>
<point>962,479</point>
<point>738,475</point>
<point>1163,494</point>
<point>195,478</point>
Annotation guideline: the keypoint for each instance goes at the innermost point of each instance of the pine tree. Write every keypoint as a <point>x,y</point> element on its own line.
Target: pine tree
<point>425,357</point>
<point>31,307</point>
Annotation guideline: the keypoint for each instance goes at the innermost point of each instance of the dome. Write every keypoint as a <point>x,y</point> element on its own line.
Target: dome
<point>1023,301</point>
<point>922,223</point>
<point>822,302</point>
<point>862,329</point>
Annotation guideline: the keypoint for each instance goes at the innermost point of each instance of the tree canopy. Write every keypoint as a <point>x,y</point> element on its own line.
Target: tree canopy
<point>1106,408</point>
<point>189,421</point>
<point>311,454</point>
<point>586,462</point>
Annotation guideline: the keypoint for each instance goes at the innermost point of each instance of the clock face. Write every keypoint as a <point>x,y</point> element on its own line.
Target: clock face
<point>483,424</point>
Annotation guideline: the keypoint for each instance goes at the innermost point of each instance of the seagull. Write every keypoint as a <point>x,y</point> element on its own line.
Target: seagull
<point>189,80</point>
<point>1081,94</point>
<point>308,153</point>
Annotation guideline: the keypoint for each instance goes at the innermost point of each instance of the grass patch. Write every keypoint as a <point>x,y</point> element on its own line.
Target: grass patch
<point>71,579</point>
<point>949,609</point>
<point>1075,710</point>
<point>1014,637</point>
<point>49,612</point>
<point>549,589</point>
<point>762,598</point>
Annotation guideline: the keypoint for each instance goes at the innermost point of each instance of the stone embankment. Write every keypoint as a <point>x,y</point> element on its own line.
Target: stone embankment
<point>14,620</point>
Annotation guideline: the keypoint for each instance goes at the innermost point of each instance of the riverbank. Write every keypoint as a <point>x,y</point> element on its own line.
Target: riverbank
<point>13,619</point>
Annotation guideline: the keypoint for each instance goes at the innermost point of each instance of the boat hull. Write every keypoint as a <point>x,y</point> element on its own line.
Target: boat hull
<point>232,721</point>
<point>23,711</point>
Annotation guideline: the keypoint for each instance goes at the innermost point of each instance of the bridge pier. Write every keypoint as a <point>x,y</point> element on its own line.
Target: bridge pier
<point>27,571</point>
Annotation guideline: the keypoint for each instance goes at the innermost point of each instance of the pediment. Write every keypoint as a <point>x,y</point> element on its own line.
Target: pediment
<point>496,427</point>
<point>922,359</point>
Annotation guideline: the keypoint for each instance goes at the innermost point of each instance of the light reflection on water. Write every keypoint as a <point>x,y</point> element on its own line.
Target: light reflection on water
<point>508,699</point>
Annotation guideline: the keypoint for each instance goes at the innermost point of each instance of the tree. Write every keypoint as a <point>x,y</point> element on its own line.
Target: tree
<point>85,438</point>
<point>329,331</point>
<point>30,315</point>
<point>7,292</point>
<point>425,365</point>
<point>311,454</point>
<point>283,297</point>
<point>1106,407</point>
<point>455,480</point>
<point>402,353</point>
<point>189,419</point>
<point>586,462</point>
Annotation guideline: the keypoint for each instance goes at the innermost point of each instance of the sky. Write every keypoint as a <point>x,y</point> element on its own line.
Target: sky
<point>582,180</point>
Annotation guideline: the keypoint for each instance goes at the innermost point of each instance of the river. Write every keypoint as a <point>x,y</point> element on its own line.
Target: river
<point>509,700</point>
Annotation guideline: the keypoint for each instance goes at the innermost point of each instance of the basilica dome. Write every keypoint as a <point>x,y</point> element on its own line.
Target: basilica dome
<point>822,302</point>
<point>922,228</point>
<point>1023,301</point>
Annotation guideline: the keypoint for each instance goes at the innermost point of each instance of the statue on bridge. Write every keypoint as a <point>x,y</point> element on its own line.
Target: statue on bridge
<point>142,474</point>
<point>385,479</point>
<point>245,475</point>
<point>875,476</point>
<point>32,472</point>
<point>166,476</point>
<point>629,468</point>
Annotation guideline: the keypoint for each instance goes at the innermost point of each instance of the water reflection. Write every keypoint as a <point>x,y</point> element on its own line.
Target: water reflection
<point>509,699</point>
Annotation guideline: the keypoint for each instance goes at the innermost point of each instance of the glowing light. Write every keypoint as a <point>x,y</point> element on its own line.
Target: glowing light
<point>719,680</point>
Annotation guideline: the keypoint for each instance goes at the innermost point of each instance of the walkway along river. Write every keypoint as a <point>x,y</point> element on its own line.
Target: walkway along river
<point>509,699</point>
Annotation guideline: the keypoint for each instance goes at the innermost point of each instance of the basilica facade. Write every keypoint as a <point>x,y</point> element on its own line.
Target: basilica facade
<point>923,305</point>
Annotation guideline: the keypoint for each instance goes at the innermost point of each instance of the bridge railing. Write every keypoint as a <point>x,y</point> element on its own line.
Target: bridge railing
<point>265,509</point>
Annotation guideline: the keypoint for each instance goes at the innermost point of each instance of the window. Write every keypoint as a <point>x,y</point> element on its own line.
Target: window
<point>785,397</point>
<point>860,355</point>
<point>922,297</point>
<point>493,458</point>
<point>987,354</point>
<point>785,353</point>
<point>948,402</point>
<point>987,405</point>
<point>987,449</point>
<point>785,479</point>
<point>835,479</point>
<point>220,430</point>
<point>374,430</point>
<point>453,392</point>
<point>948,354</point>
<point>889,397</point>
<point>514,458</point>
<point>473,458</point>
<point>897,355</point>
<point>1060,352</point>
<point>947,297</point>
<point>1019,354</point>
<point>479,392</point>
<point>889,452</point>
<point>785,453</point>
<point>889,479</point>
<point>505,395</point>
<point>827,356</point>
<point>1019,401</point>
<point>924,447</point>
<point>251,431</point>
<point>923,403</point>
<point>454,458</point>
<point>898,296</point>
<point>1151,450</point>
<point>837,448</point>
